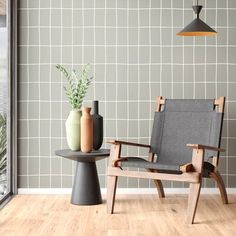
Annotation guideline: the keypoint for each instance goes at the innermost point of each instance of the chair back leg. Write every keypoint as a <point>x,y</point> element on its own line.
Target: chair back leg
<point>111,192</point>
<point>220,183</point>
<point>194,191</point>
<point>159,186</point>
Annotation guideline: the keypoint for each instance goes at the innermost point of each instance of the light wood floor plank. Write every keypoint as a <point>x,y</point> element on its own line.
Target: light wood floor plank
<point>133,215</point>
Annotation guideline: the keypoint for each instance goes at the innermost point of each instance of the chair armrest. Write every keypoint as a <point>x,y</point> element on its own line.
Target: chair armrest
<point>116,142</point>
<point>187,167</point>
<point>200,146</point>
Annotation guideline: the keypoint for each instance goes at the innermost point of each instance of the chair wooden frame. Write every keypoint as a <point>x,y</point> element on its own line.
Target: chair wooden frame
<point>191,172</point>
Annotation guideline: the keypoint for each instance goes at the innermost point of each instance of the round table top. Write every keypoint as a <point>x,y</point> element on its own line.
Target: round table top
<point>79,156</point>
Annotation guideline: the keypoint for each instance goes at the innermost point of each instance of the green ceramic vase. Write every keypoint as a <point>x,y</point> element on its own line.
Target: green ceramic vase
<point>73,130</point>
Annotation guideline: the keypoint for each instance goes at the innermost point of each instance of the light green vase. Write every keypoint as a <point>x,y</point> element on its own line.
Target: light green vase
<point>73,130</point>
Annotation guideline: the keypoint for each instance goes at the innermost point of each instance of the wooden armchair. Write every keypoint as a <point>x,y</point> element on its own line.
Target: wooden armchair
<point>185,138</point>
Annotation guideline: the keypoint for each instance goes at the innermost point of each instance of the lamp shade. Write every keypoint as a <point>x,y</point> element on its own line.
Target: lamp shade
<point>197,27</point>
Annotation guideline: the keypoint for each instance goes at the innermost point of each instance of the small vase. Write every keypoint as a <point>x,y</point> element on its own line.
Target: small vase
<point>97,127</point>
<point>86,130</point>
<point>73,130</point>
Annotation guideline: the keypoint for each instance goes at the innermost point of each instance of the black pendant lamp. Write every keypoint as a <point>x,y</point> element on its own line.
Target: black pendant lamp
<point>197,27</point>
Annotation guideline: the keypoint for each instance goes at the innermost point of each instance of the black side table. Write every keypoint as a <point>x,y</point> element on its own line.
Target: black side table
<point>86,188</point>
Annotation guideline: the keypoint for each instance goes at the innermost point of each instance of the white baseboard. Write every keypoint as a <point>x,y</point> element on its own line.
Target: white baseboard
<point>122,190</point>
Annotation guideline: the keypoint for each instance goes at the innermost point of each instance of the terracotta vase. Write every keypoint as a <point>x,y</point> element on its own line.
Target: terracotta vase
<point>86,130</point>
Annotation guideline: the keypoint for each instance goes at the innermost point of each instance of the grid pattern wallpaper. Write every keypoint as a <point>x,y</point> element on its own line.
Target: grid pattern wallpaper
<point>136,56</point>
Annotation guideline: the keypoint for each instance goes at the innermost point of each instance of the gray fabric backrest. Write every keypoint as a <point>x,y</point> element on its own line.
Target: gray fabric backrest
<point>181,122</point>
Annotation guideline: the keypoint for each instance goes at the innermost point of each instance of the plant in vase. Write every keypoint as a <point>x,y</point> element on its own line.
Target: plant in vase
<point>76,90</point>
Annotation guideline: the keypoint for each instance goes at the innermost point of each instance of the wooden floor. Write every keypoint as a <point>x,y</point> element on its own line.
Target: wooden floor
<point>134,215</point>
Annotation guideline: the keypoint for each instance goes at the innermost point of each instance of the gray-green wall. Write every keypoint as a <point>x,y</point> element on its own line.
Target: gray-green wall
<point>136,56</point>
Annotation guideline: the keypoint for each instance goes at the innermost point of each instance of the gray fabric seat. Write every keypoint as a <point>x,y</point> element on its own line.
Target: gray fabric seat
<point>138,162</point>
<point>182,121</point>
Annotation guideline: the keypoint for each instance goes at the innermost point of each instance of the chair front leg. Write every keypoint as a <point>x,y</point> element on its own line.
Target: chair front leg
<point>111,193</point>
<point>194,192</point>
<point>194,188</point>
<point>112,179</point>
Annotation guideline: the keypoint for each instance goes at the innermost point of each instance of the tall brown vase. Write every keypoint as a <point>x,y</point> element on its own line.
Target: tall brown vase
<point>86,130</point>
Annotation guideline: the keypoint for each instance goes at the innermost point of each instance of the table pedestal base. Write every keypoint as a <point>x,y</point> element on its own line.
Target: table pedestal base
<point>86,188</point>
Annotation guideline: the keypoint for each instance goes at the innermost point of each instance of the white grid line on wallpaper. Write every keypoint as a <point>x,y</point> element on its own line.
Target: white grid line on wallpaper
<point>171,52</point>
<point>188,8</point>
<point>61,77</point>
<point>127,109</point>
<point>183,51</point>
<point>46,157</point>
<point>227,112</point>
<point>94,47</point>
<point>116,73</point>
<point>216,28</point>
<point>39,124</point>
<point>149,69</point>
<point>82,2</point>
<point>73,164</point>
<point>50,94</point>
<point>233,175</point>
<point>216,68</point>
<point>194,71</point>
<point>57,174</point>
<point>171,67</point>
<point>123,45</point>
<point>160,46</point>
<point>129,64</point>
<point>138,85</point>
<point>121,82</point>
<point>112,27</point>
<point>108,119</point>
<point>28,99</point>
<point>133,137</point>
<point>116,63</point>
<point>205,60</point>
<point>105,77</point>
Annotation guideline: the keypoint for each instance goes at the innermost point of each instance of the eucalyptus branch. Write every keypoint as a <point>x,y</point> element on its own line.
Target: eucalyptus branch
<point>77,85</point>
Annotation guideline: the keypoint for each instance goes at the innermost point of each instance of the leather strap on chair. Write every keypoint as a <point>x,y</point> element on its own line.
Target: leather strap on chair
<point>115,162</point>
